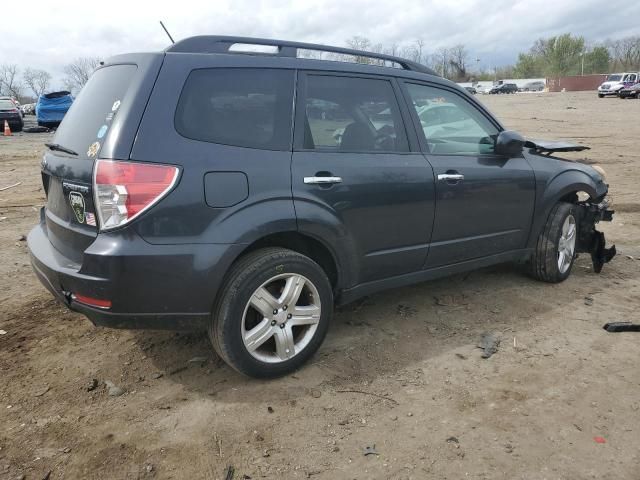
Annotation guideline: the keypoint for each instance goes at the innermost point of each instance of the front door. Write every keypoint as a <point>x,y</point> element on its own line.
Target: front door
<point>352,167</point>
<point>484,201</point>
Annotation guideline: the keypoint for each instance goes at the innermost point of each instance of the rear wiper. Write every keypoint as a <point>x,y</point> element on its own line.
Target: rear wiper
<point>59,148</point>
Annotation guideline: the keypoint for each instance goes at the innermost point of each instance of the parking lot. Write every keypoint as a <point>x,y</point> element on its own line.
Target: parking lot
<point>398,390</point>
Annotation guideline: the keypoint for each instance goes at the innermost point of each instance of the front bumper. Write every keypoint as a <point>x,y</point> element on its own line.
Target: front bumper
<point>609,91</point>
<point>150,286</point>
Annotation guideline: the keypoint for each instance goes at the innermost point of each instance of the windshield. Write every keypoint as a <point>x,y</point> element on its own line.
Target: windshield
<point>6,105</point>
<point>87,122</point>
<point>614,78</point>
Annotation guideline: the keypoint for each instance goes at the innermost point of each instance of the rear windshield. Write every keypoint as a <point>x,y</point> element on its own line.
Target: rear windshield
<point>242,107</point>
<point>6,105</point>
<point>87,122</point>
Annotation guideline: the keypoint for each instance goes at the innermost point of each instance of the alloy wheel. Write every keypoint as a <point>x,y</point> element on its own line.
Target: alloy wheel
<point>281,318</point>
<point>567,244</point>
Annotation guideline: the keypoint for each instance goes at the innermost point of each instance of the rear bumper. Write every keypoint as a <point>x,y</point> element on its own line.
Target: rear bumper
<point>166,287</point>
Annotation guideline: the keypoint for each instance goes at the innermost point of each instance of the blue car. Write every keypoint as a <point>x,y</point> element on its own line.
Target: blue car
<point>52,107</point>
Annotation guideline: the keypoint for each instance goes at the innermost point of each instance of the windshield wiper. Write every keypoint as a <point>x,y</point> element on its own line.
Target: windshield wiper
<point>59,148</point>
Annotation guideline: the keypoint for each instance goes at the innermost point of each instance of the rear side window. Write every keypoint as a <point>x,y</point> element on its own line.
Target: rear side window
<point>241,107</point>
<point>87,122</point>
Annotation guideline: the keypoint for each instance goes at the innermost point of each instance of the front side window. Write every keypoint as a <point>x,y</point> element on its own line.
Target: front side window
<point>237,106</point>
<point>450,124</point>
<point>352,115</point>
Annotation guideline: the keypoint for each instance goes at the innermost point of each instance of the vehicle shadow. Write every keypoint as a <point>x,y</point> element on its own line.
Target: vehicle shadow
<point>383,334</point>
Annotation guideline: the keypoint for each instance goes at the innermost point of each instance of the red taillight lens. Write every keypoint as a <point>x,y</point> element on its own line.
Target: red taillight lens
<point>92,302</point>
<point>123,190</point>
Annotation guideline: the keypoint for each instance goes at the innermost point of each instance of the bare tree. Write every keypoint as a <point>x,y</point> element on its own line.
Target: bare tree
<point>419,46</point>
<point>440,60</point>
<point>37,80</point>
<point>458,60</point>
<point>10,80</point>
<point>626,52</point>
<point>78,72</point>
<point>360,43</point>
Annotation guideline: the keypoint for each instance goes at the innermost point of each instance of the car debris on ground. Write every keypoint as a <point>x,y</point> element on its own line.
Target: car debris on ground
<point>489,343</point>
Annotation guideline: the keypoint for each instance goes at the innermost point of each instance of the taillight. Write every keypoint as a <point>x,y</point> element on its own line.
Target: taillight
<point>123,190</point>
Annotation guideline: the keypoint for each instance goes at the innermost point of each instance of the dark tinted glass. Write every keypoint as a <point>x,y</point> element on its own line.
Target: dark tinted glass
<point>88,120</point>
<point>241,107</point>
<point>352,115</point>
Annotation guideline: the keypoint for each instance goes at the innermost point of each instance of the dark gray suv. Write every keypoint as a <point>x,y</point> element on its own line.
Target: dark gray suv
<point>229,185</point>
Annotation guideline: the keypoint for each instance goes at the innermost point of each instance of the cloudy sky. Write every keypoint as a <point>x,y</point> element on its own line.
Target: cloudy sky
<point>494,31</point>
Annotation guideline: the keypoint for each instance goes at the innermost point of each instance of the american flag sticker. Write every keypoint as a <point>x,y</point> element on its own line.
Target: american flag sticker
<point>90,218</point>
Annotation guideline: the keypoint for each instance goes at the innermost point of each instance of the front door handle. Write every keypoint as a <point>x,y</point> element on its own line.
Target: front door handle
<point>450,177</point>
<point>322,180</point>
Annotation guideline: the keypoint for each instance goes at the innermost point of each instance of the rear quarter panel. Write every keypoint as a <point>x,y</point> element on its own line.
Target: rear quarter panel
<point>184,216</point>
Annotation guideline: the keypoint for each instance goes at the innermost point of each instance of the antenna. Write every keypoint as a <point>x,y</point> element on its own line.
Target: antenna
<point>167,32</point>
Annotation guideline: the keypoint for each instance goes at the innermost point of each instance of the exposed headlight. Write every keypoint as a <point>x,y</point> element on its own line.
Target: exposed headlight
<point>601,171</point>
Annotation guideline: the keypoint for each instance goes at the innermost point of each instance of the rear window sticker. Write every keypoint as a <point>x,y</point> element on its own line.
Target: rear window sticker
<point>102,131</point>
<point>93,149</point>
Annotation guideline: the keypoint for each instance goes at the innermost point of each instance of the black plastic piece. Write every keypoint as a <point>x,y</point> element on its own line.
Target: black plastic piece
<point>614,327</point>
<point>599,254</point>
<point>221,44</point>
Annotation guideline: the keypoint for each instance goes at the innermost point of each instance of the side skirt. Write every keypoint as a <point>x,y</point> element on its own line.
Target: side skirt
<point>353,293</point>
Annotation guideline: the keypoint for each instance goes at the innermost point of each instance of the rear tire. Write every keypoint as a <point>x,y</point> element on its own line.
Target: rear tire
<point>555,249</point>
<point>245,329</point>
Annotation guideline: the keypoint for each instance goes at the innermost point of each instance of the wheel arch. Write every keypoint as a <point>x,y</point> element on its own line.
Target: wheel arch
<point>565,187</point>
<point>307,245</point>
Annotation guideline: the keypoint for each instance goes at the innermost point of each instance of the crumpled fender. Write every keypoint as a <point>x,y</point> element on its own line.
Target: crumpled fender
<point>566,182</point>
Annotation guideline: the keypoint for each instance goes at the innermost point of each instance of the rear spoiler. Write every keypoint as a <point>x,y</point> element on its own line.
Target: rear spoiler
<point>547,146</point>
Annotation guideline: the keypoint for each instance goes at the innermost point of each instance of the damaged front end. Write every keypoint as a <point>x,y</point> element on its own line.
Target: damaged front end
<point>589,239</point>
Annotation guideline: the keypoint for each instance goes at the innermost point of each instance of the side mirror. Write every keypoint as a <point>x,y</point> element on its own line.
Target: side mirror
<point>509,143</point>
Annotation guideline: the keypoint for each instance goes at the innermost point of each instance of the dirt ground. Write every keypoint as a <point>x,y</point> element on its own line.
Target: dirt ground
<point>399,372</point>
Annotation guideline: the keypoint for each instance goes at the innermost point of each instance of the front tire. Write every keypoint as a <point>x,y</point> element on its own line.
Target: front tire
<point>273,313</point>
<point>555,249</point>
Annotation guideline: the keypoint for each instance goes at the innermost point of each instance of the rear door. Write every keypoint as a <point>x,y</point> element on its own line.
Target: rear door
<point>484,201</point>
<point>352,166</point>
<point>97,124</point>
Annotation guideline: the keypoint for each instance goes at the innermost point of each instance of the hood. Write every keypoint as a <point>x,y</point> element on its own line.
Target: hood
<point>547,148</point>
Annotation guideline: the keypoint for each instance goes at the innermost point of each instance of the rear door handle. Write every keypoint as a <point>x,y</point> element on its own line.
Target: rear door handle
<point>450,176</point>
<point>322,180</point>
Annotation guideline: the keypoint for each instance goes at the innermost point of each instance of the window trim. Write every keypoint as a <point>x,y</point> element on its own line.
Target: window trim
<point>286,148</point>
<point>422,140</point>
<point>300,112</point>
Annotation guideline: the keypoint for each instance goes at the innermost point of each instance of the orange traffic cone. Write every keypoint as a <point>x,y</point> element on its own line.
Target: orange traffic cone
<point>7,130</point>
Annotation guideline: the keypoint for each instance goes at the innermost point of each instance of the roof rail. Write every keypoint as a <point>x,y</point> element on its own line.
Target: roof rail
<point>222,44</point>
